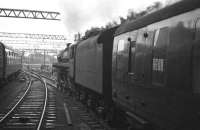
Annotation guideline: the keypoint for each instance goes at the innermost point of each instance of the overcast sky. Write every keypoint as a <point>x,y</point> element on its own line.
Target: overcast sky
<point>76,15</point>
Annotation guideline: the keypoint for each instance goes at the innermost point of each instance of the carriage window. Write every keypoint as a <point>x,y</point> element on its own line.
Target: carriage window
<point>72,52</point>
<point>133,58</point>
<point>156,37</point>
<point>131,66</point>
<point>161,37</point>
<point>122,55</point>
<point>197,33</point>
<point>121,45</point>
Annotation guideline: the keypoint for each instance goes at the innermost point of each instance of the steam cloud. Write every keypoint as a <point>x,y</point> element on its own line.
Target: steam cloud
<point>80,15</point>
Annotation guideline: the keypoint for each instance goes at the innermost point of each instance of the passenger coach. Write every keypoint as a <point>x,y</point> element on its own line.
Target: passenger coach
<point>156,67</point>
<point>10,62</point>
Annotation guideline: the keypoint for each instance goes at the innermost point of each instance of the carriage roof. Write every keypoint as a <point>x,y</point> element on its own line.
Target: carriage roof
<point>167,12</point>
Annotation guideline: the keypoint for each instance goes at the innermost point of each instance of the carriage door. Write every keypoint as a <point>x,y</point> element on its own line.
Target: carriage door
<point>139,63</point>
<point>149,34</point>
<point>196,59</point>
<point>161,41</point>
<point>1,59</point>
<point>131,61</point>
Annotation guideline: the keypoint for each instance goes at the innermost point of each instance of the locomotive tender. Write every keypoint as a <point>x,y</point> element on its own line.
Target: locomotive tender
<point>10,62</point>
<point>145,72</point>
<point>92,73</point>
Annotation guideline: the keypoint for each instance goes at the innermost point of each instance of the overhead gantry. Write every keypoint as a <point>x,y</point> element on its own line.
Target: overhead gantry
<point>31,14</point>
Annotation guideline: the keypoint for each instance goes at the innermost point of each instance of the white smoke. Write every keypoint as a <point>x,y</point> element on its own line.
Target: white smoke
<point>170,2</point>
<point>79,15</point>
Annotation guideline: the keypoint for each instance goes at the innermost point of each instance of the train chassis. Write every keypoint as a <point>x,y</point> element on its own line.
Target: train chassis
<point>114,114</point>
<point>11,77</point>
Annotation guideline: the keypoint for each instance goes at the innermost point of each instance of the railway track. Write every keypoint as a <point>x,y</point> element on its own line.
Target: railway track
<point>81,117</point>
<point>87,119</point>
<point>28,112</point>
<point>50,81</point>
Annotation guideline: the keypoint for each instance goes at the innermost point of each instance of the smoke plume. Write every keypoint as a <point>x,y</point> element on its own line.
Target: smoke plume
<point>80,15</point>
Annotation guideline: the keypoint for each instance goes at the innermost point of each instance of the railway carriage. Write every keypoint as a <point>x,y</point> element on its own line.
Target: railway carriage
<point>2,61</point>
<point>143,74</point>
<point>10,62</point>
<point>155,68</point>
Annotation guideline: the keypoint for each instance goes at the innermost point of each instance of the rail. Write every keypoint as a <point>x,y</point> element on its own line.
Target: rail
<point>13,108</point>
<point>23,98</point>
<point>46,98</point>
<point>45,104</point>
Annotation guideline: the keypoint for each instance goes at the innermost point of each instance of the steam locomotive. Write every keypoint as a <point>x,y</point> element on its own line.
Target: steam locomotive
<point>10,63</point>
<point>143,74</point>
